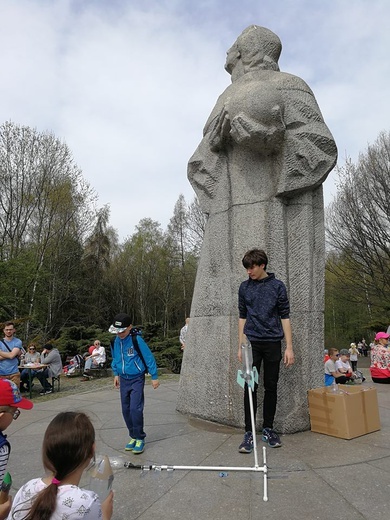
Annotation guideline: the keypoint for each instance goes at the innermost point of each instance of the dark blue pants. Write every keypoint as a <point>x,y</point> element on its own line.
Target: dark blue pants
<point>25,377</point>
<point>132,400</point>
<point>270,353</point>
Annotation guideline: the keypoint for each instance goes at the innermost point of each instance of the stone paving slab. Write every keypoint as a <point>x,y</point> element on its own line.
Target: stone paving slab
<point>312,476</point>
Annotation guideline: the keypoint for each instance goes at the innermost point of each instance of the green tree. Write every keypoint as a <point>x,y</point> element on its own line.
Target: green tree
<point>99,249</point>
<point>358,233</point>
<point>178,232</point>
<point>45,207</point>
<point>347,316</point>
<point>185,230</point>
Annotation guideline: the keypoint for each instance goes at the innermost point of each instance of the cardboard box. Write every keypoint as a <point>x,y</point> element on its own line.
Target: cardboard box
<point>350,413</point>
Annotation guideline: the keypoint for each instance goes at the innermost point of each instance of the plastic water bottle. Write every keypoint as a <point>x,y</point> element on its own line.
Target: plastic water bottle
<point>247,358</point>
<point>334,388</point>
<point>100,477</point>
<point>5,487</point>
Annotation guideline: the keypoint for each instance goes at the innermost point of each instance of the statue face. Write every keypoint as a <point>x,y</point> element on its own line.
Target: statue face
<point>232,58</point>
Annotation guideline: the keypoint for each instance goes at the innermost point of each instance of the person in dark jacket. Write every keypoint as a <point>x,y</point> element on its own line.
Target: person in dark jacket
<point>264,318</point>
<point>129,370</point>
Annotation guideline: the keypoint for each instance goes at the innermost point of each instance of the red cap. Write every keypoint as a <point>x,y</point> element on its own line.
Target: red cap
<point>10,396</point>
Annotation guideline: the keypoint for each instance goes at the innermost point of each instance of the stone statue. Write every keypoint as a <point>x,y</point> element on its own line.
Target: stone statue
<point>258,174</point>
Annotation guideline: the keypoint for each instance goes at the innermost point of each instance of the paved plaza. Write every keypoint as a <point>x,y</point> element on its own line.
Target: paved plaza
<point>312,476</point>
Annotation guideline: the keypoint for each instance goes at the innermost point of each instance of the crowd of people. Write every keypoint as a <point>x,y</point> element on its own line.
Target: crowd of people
<point>264,320</point>
<point>13,357</point>
<point>337,367</point>
<point>69,442</point>
<point>341,367</point>
<point>23,366</point>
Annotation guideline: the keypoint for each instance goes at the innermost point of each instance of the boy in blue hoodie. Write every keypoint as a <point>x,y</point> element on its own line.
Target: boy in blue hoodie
<point>129,368</point>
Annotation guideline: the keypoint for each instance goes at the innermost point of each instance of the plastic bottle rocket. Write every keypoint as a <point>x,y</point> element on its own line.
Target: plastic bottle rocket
<point>101,477</point>
<point>5,487</point>
<point>248,374</point>
<point>247,358</point>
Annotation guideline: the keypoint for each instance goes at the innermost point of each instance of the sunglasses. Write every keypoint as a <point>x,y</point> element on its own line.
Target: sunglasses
<point>15,414</point>
<point>31,348</point>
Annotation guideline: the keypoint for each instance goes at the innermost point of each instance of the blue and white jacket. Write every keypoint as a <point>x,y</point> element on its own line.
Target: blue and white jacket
<point>126,362</point>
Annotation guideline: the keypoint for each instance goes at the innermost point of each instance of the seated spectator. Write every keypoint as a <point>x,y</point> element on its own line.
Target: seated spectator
<point>343,365</point>
<point>326,355</point>
<point>32,356</point>
<point>380,359</point>
<point>331,372</point>
<point>97,357</point>
<point>51,357</point>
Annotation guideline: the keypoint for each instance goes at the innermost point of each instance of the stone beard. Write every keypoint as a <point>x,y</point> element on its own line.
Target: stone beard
<point>258,174</point>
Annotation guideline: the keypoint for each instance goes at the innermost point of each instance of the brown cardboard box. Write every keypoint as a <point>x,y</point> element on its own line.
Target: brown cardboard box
<point>350,413</point>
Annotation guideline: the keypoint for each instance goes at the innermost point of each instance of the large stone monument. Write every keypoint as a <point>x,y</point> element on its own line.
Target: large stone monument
<point>258,174</point>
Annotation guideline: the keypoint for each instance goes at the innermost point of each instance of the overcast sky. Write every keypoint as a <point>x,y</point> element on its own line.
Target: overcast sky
<point>128,84</point>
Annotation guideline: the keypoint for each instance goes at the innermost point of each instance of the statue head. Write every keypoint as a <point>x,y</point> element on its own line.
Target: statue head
<point>257,48</point>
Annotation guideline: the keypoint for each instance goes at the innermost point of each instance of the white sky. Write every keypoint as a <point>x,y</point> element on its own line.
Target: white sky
<point>129,84</point>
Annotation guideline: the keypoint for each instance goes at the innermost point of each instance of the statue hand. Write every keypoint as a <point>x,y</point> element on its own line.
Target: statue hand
<point>220,132</point>
<point>256,135</point>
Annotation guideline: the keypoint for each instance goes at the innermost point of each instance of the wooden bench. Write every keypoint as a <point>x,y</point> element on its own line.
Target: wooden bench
<point>100,371</point>
<point>56,379</point>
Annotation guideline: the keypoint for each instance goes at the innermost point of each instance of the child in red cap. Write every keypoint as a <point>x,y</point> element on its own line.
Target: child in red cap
<point>10,402</point>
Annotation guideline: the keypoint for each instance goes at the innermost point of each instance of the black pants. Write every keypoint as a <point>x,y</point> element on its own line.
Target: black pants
<point>271,354</point>
<point>384,380</point>
<point>42,376</point>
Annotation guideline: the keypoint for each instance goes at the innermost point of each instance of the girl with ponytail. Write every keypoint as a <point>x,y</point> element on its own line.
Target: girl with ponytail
<point>68,447</point>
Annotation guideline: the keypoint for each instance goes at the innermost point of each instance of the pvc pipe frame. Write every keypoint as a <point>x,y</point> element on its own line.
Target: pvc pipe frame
<point>255,468</point>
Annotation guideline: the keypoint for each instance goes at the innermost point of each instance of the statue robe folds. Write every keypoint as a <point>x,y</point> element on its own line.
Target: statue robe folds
<point>258,174</point>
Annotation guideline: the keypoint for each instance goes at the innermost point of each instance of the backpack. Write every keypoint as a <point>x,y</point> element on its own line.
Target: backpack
<point>134,333</point>
<point>4,442</point>
<point>358,377</point>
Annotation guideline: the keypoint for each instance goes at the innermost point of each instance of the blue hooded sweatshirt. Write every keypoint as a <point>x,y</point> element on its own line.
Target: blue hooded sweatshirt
<point>126,362</point>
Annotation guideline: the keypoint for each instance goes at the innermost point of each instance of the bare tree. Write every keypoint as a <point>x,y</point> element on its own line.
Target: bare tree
<point>178,231</point>
<point>358,225</point>
<point>196,220</point>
